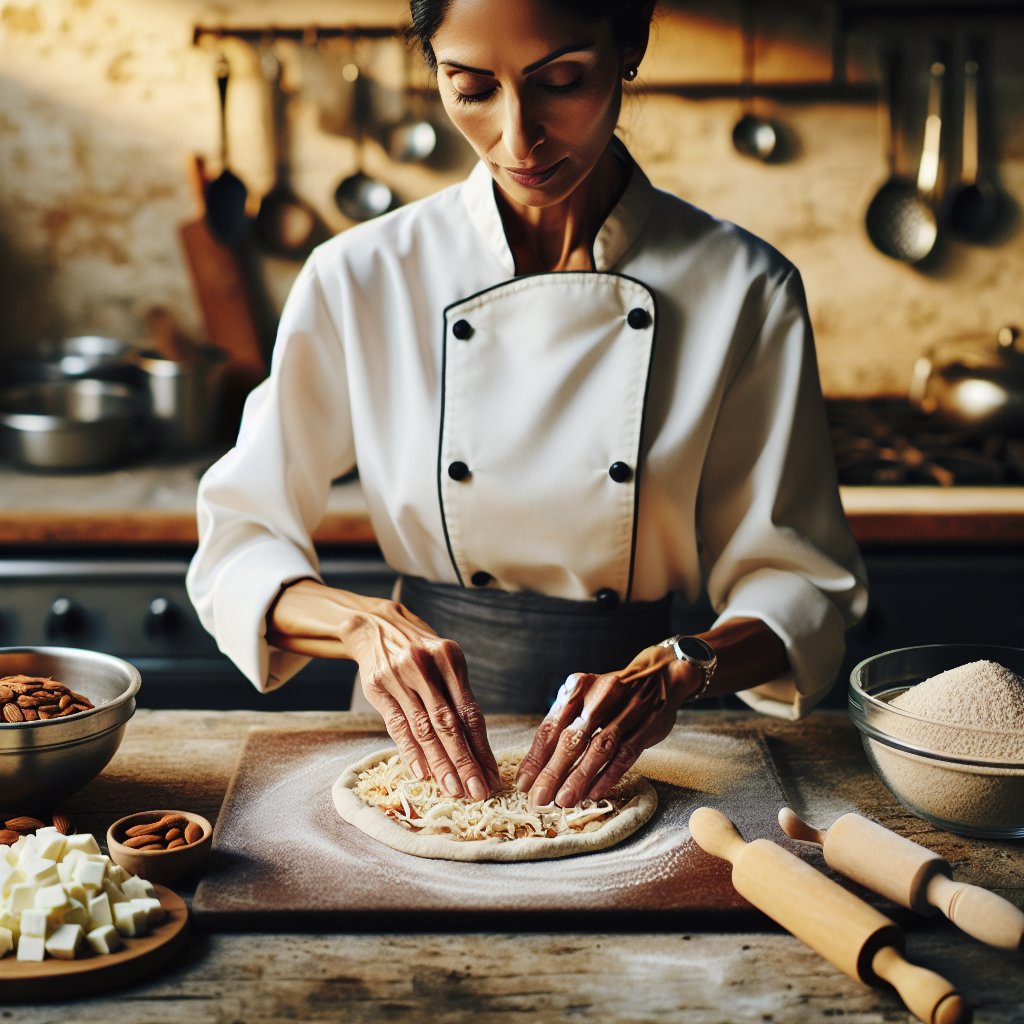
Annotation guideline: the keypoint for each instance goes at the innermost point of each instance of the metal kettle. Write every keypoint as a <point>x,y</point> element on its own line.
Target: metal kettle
<point>974,383</point>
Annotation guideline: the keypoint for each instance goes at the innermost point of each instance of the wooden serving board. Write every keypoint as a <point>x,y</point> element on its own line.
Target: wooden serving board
<point>283,859</point>
<point>63,979</point>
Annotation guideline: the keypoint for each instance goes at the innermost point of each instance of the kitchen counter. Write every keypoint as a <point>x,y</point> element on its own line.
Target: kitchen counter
<point>155,504</point>
<point>185,759</point>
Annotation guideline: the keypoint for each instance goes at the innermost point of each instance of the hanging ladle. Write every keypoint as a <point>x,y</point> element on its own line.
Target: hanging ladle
<point>286,225</point>
<point>359,196</point>
<point>974,205</point>
<point>752,135</point>
<point>901,219</point>
<point>226,194</point>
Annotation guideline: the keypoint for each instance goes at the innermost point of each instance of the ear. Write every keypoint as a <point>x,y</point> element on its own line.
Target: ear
<point>633,52</point>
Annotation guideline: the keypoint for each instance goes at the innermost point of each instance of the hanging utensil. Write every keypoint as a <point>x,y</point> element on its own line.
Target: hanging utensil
<point>226,194</point>
<point>752,135</point>
<point>413,139</point>
<point>974,204</point>
<point>359,196</point>
<point>286,225</point>
<point>901,220</point>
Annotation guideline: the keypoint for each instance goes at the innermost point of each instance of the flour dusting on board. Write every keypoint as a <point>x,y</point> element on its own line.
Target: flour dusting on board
<point>284,843</point>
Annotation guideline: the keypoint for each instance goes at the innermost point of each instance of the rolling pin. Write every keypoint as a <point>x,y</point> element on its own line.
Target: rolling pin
<point>853,936</point>
<point>910,875</point>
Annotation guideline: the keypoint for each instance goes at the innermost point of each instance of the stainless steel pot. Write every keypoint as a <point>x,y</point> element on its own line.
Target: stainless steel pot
<point>70,424</point>
<point>85,355</point>
<point>974,383</point>
<point>183,396</point>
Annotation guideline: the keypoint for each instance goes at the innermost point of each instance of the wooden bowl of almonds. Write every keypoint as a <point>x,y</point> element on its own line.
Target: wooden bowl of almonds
<point>161,846</point>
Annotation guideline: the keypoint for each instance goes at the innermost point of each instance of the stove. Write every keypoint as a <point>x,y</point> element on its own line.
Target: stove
<point>889,441</point>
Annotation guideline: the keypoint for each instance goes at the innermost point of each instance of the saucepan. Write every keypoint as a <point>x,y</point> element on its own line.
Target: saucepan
<point>974,382</point>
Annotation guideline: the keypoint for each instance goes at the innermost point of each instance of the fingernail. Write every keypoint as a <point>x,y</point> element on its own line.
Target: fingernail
<point>417,770</point>
<point>523,785</point>
<point>566,797</point>
<point>452,785</point>
<point>476,789</point>
<point>541,798</point>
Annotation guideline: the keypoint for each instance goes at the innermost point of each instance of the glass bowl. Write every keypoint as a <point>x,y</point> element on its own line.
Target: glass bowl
<point>963,779</point>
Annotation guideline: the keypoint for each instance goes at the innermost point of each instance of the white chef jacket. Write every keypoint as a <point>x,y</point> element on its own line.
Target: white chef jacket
<point>646,427</point>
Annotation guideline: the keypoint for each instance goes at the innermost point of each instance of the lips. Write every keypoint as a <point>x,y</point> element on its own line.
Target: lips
<point>533,177</point>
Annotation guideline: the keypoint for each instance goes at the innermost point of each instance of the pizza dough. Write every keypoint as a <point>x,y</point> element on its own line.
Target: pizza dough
<point>378,793</point>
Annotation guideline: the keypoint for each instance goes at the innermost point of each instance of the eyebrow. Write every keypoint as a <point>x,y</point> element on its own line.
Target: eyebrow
<point>529,69</point>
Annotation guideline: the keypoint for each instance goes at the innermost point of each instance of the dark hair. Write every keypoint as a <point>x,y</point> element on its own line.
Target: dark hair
<point>630,19</point>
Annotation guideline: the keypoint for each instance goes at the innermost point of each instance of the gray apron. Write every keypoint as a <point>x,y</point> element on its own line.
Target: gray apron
<point>520,646</point>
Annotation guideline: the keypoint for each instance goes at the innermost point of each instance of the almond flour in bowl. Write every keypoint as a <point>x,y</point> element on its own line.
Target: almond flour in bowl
<point>944,728</point>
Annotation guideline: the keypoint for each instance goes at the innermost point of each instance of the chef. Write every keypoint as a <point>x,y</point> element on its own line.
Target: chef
<point>569,395</point>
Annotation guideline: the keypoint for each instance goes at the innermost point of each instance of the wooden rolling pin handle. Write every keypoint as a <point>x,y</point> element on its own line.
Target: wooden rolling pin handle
<point>716,834</point>
<point>926,994</point>
<point>978,912</point>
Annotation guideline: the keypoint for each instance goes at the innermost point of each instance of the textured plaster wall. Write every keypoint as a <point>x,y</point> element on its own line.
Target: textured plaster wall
<point>103,101</point>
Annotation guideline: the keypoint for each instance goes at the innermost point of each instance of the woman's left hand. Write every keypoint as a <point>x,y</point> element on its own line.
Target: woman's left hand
<point>599,725</point>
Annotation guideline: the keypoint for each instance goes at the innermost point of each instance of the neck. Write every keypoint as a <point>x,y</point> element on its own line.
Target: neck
<point>561,237</point>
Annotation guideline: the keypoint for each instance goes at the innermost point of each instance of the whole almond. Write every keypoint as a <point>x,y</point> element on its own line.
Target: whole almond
<point>13,713</point>
<point>5,694</point>
<point>157,847</point>
<point>30,714</point>
<point>193,832</point>
<point>62,823</point>
<point>172,833</point>
<point>26,700</point>
<point>147,828</point>
<point>173,821</point>
<point>142,841</point>
<point>64,702</point>
<point>8,837</point>
<point>24,823</point>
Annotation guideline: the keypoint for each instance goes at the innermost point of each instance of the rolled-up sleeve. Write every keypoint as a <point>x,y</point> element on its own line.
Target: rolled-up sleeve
<point>775,542</point>
<point>259,505</point>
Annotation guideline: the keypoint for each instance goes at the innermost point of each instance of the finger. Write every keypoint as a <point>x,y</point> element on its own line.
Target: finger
<point>398,729</point>
<point>646,703</point>
<point>629,751</point>
<point>474,727</point>
<point>442,663</point>
<point>567,705</point>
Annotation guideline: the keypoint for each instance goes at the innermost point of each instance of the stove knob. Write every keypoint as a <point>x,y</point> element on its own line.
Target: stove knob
<point>162,617</point>
<point>66,619</point>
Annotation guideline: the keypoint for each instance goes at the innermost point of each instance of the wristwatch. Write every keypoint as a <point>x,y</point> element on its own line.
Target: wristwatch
<point>697,652</point>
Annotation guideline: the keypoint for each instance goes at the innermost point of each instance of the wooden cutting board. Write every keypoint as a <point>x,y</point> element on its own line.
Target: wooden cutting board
<point>283,859</point>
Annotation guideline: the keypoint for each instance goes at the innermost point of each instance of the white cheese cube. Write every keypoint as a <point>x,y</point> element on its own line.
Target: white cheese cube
<point>7,872</point>
<point>104,939</point>
<point>52,897</point>
<point>64,942</point>
<point>77,892</point>
<point>33,922</point>
<point>77,913</point>
<point>129,920</point>
<point>49,843</point>
<point>72,857</point>
<point>82,841</point>
<point>21,897</point>
<point>137,888</point>
<point>114,892</point>
<point>90,873</point>
<point>40,872</point>
<point>118,874</point>
<point>153,909</point>
<point>31,947</point>
<point>99,910</point>
<point>6,941</point>
<point>64,871</point>
<point>21,848</point>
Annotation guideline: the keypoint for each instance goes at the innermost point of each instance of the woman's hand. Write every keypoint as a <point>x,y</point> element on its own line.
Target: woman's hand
<point>414,678</point>
<point>599,725</point>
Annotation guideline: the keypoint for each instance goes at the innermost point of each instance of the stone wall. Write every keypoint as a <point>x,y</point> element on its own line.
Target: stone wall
<point>102,103</point>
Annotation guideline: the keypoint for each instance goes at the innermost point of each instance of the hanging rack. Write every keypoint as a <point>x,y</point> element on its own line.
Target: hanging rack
<point>296,32</point>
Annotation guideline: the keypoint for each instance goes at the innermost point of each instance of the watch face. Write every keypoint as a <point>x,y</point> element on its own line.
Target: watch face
<point>695,649</point>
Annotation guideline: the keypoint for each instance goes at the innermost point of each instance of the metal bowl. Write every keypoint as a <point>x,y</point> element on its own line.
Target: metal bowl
<point>43,762</point>
<point>963,779</point>
<point>70,424</point>
<point>85,355</point>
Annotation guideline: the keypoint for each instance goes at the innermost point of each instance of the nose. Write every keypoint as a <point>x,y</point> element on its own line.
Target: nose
<point>522,130</point>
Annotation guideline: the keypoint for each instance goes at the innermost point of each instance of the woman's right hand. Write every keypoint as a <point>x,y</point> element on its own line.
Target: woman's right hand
<point>417,680</point>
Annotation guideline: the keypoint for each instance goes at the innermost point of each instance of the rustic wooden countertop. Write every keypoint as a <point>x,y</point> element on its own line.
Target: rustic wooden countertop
<point>185,759</point>
<point>154,504</point>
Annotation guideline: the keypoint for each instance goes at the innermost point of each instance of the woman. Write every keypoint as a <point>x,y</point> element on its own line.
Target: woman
<point>568,395</point>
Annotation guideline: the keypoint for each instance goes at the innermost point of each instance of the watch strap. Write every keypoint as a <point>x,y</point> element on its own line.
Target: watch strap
<point>706,665</point>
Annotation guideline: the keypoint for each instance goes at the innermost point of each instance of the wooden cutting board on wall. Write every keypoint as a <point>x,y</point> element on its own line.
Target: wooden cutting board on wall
<point>284,860</point>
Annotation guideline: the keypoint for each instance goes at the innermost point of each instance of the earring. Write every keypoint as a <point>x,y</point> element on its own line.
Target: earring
<point>630,73</point>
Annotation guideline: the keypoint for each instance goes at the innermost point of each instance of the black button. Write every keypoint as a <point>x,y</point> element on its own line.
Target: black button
<point>458,471</point>
<point>620,472</point>
<point>481,578</point>
<point>462,329</point>
<point>607,600</point>
<point>637,318</point>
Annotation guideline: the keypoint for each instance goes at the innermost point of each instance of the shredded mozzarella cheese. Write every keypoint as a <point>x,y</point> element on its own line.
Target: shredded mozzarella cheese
<point>422,806</point>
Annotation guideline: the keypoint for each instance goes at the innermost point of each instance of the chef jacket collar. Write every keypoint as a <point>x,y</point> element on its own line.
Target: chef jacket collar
<point>614,237</point>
